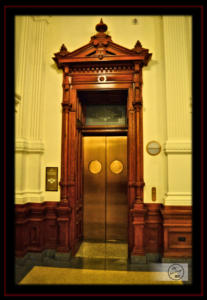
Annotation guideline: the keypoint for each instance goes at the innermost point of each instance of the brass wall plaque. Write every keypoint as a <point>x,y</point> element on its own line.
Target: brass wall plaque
<point>95,167</point>
<point>116,167</point>
<point>51,179</point>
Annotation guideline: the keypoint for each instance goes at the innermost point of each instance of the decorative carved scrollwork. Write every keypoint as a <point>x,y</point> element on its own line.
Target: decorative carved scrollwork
<point>95,68</point>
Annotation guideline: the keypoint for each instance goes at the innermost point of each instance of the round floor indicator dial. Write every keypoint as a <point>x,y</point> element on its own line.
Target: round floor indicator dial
<point>95,167</point>
<point>116,166</point>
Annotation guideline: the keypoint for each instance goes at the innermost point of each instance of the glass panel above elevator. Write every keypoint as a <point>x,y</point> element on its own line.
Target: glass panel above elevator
<point>104,108</point>
<point>105,114</point>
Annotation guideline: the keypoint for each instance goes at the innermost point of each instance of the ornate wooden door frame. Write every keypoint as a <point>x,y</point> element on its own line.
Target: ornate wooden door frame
<point>100,65</point>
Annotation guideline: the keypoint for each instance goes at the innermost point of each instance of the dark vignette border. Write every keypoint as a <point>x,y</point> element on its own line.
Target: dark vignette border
<point>9,11</point>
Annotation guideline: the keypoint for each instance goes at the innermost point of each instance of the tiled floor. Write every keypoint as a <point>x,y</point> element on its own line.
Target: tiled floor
<point>103,250</point>
<point>50,275</point>
<point>102,258</point>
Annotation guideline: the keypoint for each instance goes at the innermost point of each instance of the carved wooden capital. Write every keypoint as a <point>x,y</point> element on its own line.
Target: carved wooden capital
<point>66,70</point>
<point>136,184</point>
<point>137,85</point>
<point>68,183</point>
<point>66,87</point>
<point>63,184</point>
<point>67,107</point>
<point>132,184</point>
<point>138,210</point>
<point>137,68</point>
<point>137,105</point>
<point>140,184</point>
<point>138,199</point>
<point>66,82</point>
<point>63,210</point>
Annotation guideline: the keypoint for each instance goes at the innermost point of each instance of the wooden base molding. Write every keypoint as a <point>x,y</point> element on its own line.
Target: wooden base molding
<point>177,225</point>
<point>158,229</point>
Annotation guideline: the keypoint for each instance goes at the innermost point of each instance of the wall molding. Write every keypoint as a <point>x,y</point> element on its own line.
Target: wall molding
<point>41,19</point>
<point>178,147</point>
<point>33,196</point>
<point>28,161</point>
<point>17,100</point>
<point>31,146</point>
<point>178,198</point>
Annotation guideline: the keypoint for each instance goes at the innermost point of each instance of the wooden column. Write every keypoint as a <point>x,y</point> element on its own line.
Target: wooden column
<point>79,185</point>
<point>72,166</point>
<point>131,166</point>
<point>63,209</point>
<point>138,210</point>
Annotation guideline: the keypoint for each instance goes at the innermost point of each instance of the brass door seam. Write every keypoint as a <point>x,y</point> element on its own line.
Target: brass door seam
<point>105,184</point>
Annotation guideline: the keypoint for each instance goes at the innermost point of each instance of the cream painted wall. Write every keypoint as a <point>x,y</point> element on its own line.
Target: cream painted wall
<point>178,81</point>
<point>74,32</point>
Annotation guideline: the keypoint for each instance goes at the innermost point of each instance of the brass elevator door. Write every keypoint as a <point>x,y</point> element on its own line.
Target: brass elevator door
<point>105,189</point>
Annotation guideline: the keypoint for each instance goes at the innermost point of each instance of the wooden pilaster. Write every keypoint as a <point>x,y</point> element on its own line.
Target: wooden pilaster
<point>63,209</point>
<point>138,211</point>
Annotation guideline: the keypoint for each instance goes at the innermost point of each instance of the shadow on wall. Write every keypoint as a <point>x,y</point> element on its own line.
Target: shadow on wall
<point>54,66</point>
<point>150,65</point>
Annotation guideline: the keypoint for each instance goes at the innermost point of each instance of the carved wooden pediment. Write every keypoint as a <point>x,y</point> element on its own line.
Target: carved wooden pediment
<point>102,48</point>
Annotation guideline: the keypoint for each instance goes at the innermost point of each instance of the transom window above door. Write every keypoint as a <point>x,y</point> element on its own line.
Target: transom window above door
<point>104,108</point>
<point>105,114</point>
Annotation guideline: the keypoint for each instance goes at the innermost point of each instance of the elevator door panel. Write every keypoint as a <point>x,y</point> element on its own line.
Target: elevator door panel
<point>105,188</point>
<point>116,189</point>
<point>94,188</point>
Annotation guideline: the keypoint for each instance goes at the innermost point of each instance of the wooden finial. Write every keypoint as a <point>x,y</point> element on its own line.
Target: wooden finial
<point>101,27</point>
<point>63,48</point>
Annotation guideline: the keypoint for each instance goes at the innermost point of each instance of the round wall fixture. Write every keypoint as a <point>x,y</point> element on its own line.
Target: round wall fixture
<point>95,167</point>
<point>153,148</point>
<point>101,78</point>
<point>116,166</point>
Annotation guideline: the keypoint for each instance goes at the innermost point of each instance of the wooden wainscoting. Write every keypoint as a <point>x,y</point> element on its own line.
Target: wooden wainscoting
<point>177,225</point>
<point>153,231</point>
<point>36,227</point>
<point>40,226</point>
